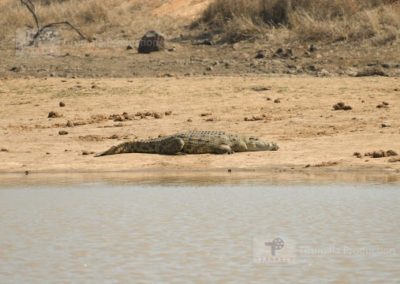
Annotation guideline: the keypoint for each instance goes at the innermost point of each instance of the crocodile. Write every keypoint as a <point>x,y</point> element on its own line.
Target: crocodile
<point>193,142</point>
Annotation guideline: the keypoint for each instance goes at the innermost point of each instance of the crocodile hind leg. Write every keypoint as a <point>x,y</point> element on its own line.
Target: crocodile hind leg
<point>170,146</point>
<point>222,149</point>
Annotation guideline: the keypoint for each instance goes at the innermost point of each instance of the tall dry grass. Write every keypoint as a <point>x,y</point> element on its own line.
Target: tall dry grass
<point>90,16</point>
<point>317,20</point>
<point>111,19</point>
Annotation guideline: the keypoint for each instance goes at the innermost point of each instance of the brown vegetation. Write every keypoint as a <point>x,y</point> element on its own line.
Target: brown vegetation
<point>228,20</point>
<point>329,20</point>
<point>92,17</point>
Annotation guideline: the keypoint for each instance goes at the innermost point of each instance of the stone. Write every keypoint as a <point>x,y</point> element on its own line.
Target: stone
<point>53,114</point>
<point>342,106</point>
<point>151,41</point>
<point>260,54</point>
<point>62,132</point>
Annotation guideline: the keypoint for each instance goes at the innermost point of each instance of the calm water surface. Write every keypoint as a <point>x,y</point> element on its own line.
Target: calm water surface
<point>123,233</point>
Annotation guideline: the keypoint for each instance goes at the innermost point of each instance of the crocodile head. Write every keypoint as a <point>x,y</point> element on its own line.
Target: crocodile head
<point>254,144</point>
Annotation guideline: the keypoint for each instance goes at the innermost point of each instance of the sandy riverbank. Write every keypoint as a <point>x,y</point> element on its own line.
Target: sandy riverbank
<point>296,112</point>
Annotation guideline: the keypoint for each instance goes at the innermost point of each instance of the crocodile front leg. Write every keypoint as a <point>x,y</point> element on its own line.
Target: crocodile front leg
<point>222,149</point>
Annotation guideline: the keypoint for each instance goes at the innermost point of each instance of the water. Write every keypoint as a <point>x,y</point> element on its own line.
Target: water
<point>101,232</point>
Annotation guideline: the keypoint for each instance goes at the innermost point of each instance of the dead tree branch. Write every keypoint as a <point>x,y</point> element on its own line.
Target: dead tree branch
<point>31,7</point>
<point>57,24</point>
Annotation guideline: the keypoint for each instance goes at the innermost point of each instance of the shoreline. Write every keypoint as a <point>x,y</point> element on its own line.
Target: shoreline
<point>201,178</point>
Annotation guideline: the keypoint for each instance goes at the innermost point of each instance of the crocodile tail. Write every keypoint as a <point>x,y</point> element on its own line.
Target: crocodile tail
<point>116,149</point>
<point>130,147</point>
<point>125,147</point>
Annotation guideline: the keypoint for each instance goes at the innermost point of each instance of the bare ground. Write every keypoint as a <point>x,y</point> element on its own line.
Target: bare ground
<point>297,112</point>
<point>190,56</point>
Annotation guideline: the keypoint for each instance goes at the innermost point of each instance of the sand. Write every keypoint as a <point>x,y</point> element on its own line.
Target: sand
<point>296,112</point>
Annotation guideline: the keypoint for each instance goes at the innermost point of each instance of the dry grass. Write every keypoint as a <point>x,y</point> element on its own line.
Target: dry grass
<point>327,20</point>
<point>110,18</point>
<point>230,20</point>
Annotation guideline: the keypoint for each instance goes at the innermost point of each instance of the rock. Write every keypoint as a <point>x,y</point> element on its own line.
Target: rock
<point>97,118</point>
<point>256,118</point>
<point>390,153</point>
<point>260,54</point>
<point>91,138</point>
<point>114,136</point>
<point>116,117</point>
<point>357,154</point>
<point>70,123</point>
<point>381,154</point>
<point>166,75</point>
<point>169,112</point>
<point>378,154</point>
<point>289,52</point>
<point>323,73</point>
<point>206,114</point>
<point>140,114</point>
<point>312,68</point>
<point>312,48</point>
<point>341,106</point>
<point>61,104</point>
<point>3,150</point>
<point>277,101</point>
<point>280,53</point>
<point>261,89</point>
<point>375,71</point>
<point>126,116</point>
<point>151,41</point>
<point>203,42</point>
<point>62,132</point>
<point>384,125</point>
<point>385,65</point>
<point>383,105</point>
<point>15,69</point>
<point>53,114</point>
<point>157,115</point>
<point>79,122</point>
<point>129,47</point>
